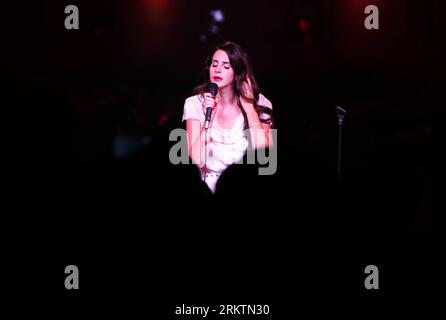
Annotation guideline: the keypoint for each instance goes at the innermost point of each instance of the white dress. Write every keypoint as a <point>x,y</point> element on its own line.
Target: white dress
<point>226,146</point>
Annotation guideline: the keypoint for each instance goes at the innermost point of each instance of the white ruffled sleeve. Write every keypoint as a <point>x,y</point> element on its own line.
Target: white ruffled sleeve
<point>193,109</point>
<point>264,102</point>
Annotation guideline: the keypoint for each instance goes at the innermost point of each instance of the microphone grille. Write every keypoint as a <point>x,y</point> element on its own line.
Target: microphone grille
<point>212,88</point>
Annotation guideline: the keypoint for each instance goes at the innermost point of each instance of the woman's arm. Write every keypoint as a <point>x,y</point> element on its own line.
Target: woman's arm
<point>260,133</point>
<point>196,141</point>
<point>196,133</point>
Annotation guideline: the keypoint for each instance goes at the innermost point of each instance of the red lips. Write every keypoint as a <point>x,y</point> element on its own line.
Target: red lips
<point>217,78</point>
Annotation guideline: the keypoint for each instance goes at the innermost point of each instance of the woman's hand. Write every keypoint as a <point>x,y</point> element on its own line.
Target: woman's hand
<point>247,96</point>
<point>209,102</point>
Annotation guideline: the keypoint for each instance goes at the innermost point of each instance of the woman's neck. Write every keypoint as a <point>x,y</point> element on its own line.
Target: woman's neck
<point>227,97</point>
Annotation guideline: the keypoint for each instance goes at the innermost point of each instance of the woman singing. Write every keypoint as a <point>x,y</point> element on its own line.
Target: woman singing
<point>241,117</point>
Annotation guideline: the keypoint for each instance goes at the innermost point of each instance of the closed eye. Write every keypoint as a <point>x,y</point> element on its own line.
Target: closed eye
<point>226,64</point>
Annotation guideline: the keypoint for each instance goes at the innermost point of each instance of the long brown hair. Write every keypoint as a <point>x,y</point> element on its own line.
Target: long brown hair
<point>242,67</point>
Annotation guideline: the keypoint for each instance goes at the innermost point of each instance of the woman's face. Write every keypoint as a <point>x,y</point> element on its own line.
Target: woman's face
<point>220,70</point>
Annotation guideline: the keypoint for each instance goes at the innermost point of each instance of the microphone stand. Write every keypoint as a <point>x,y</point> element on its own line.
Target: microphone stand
<point>206,127</point>
<point>205,152</point>
<point>213,89</point>
<point>340,113</point>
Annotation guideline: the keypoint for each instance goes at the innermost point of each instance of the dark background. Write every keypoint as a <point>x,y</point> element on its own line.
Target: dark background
<point>138,226</point>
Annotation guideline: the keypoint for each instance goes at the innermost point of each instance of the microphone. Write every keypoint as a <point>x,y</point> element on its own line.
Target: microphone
<point>212,89</point>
